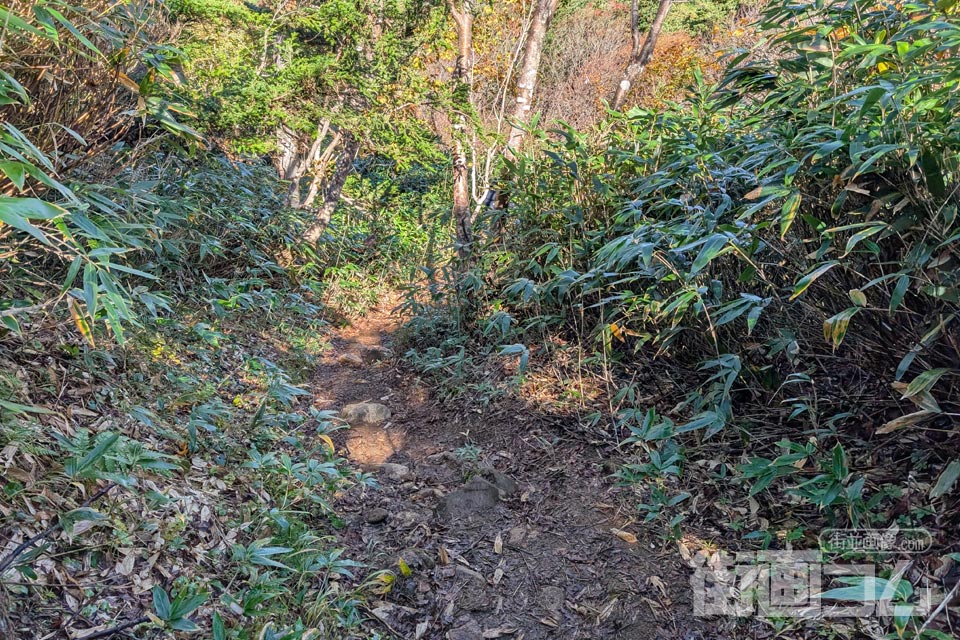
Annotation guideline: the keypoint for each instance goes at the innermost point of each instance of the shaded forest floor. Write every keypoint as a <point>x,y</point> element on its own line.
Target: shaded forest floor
<point>502,515</point>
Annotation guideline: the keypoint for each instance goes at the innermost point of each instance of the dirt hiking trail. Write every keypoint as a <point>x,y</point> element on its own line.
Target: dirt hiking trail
<point>502,516</point>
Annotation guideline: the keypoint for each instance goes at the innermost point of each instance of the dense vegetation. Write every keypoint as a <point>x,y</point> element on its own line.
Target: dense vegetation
<point>746,284</point>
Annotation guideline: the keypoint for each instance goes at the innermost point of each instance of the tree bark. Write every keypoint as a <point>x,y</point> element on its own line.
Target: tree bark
<point>641,55</point>
<point>463,98</point>
<point>529,70</point>
<point>334,188</point>
<point>319,164</point>
<point>290,162</point>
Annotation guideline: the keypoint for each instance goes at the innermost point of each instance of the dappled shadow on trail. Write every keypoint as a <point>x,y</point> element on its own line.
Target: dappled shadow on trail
<point>541,562</point>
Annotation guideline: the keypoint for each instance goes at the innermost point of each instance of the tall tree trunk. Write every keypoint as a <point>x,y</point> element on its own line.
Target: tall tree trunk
<point>463,98</point>
<point>529,70</point>
<point>642,54</point>
<point>318,169</point>
<point>290,162</point>
<point>334,188</point>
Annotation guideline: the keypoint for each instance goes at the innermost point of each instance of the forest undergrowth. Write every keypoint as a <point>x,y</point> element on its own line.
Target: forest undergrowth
<point>745,290</point>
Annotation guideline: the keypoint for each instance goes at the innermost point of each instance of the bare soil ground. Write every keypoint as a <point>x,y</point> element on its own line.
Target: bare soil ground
<point>539,562</point>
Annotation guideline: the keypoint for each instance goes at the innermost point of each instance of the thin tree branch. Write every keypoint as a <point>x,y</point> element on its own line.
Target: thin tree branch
<point>120,628</point>
<point>23,546</point>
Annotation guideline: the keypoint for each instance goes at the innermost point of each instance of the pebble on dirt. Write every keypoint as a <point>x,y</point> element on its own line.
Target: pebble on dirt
<point>508,486</point>
<point>376,516</point>
<point>370,414</point>
<point>394,471</point>
<point>469,630</point>
<point>473,498</point>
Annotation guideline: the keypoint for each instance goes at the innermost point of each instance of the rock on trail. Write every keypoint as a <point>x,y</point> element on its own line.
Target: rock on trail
<point>370,414</point>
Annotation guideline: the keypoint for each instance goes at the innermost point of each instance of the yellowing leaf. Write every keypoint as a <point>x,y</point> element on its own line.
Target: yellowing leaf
<point>615,330</point>
<point>327,441</point>
<point>405,569</point>
<point>906,421</point>
<point>128,82</point>
<point>81,321</point>
<point>626,536</point>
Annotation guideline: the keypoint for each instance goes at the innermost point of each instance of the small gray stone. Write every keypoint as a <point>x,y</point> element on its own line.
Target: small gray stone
<point>440,458</point>
<point>373,354</point>
<point>376,516</point>
<point>474,594</point>
<point>394,471</point>
<point>407,519</point>
<point>370,414</point>
<point>427,493</point>
<point>469,630</point>
<point>350,360</point>
<point>475,497</point>
<point>551,598</point>
<point>417,559</point>
<point>507,485</point>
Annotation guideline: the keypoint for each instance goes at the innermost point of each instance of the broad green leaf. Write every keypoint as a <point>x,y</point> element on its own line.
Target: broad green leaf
<point>788,213</point>
<point>23,409</point>
<point>924,382</point>
<point>898,292</point>
<point>870,589</point>
<point>17,212</point>
<point>835,327</point>
<point>161,603</point>
<point>861,235</point>
<point>947,480</point>
<point>804,283</point>
<point>75,468</point>
<point>15,171</point>
<point>710,250</point>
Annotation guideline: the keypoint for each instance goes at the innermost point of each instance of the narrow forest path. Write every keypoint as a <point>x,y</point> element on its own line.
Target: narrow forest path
<point>502,516</point>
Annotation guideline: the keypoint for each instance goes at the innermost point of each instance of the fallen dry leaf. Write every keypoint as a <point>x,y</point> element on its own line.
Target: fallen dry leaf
<point>658,583</point>
<point>626,536</point>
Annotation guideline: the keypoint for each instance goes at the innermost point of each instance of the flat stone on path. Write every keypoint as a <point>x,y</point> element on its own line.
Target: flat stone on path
<point>507,485</point>
<point>376,516</point>
<point>475,497</point>
<point>370,414</point>
<point>469,630</point>
<point>393,471</point>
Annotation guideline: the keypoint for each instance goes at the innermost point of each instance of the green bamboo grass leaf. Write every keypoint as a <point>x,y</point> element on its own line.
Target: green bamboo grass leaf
<point>76,468</point>
<point>924,382</point>
<point>713,247</point>
<point>899,290</point>
<point>835,327</point>
<point>804,283</point>
<point>946,481</point>
<point>10,20</point>
<point>870,589</point>
<point>23,409</point>
<point>17,212</point>
<point>72,28</point>
<point>15,171</point>
<point>788,213</point>
<point>862,235</point>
